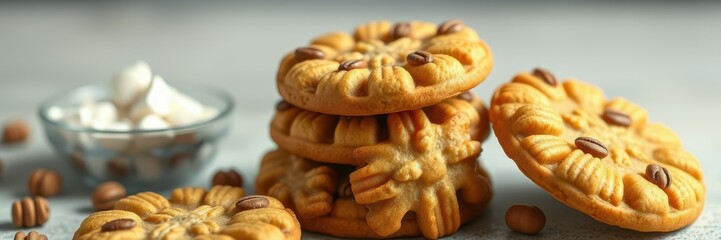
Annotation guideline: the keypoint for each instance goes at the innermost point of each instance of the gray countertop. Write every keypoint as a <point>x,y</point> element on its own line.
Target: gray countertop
<point>665,57</point>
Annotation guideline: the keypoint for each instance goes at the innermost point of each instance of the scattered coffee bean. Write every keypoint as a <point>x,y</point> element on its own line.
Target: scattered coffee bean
<point>308,53</point>
<point>230,177</point>
<point>401,30</point>
<point>32,235</point>
<point>450,26</point>
<point>45,183</point>
<point>617,118</point>
<point>282,105</point>
<point>467,96</point>
<point>418,58</point>
<point>118,225</point>
<point>545,75</point>
<point>251,202</point>
<point>15,131</point>
<point>525,219</point>
<point>30,212</point>
<point>592,146</point>
<point>353,64</point>
<point>107,194</point>
<point>658,175</point>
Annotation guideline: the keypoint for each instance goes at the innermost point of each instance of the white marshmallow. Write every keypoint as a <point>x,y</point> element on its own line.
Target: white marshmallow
<point>130,84</point>
<point>158,99</point>
<point>185,110</point>
<point>55,113</point>
<point>113,141</point>
<point>152,121</point>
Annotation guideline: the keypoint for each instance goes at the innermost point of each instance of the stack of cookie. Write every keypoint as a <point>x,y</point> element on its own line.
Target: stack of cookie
<point>378,135</point>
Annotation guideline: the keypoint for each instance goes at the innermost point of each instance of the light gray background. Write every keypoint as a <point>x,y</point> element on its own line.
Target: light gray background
<point>666,57</point>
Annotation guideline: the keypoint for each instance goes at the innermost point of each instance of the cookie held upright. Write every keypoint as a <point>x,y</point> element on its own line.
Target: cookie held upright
<point>602,157</point>
<point>384,68</point>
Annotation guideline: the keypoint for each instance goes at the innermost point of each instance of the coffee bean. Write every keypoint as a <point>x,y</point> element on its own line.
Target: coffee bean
<point>545,75</point>
<point>15,132</point>
<point>308,53</point>
<point>45,183</point>
<point>658,175</point>
<point>418,58</point>
<point>230,178</point>
<point>467,96</point>
<point>401,30</point>
<point>251,202</point>
<point>617,118</point>
<point>32,235</point>
<point>282,105</point>
<point>592,146</point>
<point>450,26</point>
<point>525,219</point>
<point>30,212</point>
<point>352,64</point>
<point>107,194</point>
<point>118,225</point>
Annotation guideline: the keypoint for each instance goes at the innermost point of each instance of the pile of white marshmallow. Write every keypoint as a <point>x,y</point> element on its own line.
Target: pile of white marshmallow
<point>139,101</point>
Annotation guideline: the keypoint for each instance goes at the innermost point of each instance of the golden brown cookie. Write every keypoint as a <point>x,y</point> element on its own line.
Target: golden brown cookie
<point>384,68</point>
<point>332,138</point>
<point>602,157</point>
<point>322,196</point>
<point>193,213</point>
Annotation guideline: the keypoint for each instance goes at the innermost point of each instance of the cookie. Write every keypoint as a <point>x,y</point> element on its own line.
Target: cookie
<point>322,196</point>
<point>332,138</point>
<point>221,213</point>
<point>602,157</point>
<point>383,68</point>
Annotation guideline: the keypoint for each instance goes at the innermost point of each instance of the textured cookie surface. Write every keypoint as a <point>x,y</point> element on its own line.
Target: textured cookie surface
<point>322,196</point>
<point>332,139</point>
<point>193,213</point>
<point>377,70</point>
<point>602,157</point>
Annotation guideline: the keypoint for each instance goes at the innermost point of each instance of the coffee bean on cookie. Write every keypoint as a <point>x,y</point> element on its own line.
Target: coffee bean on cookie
<point>545,75</point>
<point>230,177</point>
<point>45,183</point>
<point>613,117</point>
<point>30,212</point>
<point>658,175</point>
<point>118,225</point>
<point>450,26</point>
<point>251,202</point>
<point>15,132</point>
<point>353,64</point>
<point>592,146</point>
<point>308,53</point>
<point>107,194</point>
<point>401,30</point>
<point>418,58</point>
<point>525,219</point>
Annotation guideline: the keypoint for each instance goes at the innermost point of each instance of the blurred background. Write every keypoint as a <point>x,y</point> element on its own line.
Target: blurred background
<point>665,56</point>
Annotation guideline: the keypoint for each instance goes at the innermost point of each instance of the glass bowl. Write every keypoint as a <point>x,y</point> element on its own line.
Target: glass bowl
<point>139,159</point>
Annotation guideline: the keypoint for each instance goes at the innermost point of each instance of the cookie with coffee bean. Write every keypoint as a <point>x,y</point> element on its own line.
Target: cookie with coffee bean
<point>384,67</point>
<point>332,138</point>
<point>322,195</point>
<point>600,156</point>
<point>223,212</point>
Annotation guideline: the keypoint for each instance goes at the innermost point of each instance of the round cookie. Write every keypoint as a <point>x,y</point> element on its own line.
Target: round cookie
<point>384,68</point>
<point>321,194</point>
<point>602,157</point>
<point>332,139</point>
<point>193,213</point>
